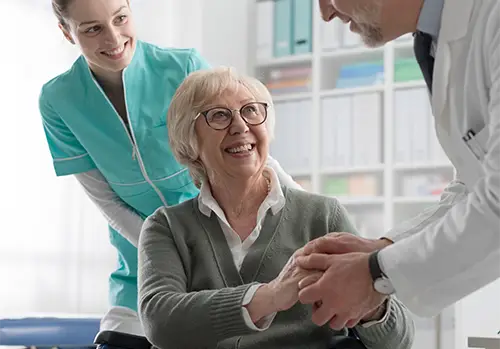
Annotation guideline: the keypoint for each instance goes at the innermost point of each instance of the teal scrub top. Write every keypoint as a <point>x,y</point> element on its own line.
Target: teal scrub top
<point>84,132</point>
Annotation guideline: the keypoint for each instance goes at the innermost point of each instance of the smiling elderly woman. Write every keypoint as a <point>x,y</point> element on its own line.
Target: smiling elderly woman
<point>218,271</point>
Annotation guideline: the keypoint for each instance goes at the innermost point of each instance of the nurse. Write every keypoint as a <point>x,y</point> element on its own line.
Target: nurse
<point>105,123</point>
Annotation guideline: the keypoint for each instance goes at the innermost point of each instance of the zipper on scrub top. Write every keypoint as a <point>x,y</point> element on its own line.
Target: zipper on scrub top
<point>132,143</point>
<point>136,151</point>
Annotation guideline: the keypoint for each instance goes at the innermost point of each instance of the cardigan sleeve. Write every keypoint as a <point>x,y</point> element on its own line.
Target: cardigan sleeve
<point>172,317</point>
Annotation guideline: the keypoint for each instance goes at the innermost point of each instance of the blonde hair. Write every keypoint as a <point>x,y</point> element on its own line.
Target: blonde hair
<point>194,94</point>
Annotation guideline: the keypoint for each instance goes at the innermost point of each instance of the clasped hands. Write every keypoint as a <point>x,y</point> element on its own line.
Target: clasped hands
<point>331,274</point>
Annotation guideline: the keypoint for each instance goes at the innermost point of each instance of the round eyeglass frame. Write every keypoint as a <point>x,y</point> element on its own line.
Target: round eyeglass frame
<point>232,111</point>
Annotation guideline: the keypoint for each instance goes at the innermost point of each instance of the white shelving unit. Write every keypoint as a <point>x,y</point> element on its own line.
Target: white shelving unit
<point>394,197</point>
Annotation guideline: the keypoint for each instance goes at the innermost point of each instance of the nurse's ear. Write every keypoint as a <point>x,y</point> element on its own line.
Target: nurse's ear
<point>66,34</point>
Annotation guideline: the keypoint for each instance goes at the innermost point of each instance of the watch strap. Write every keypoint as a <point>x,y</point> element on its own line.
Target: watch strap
<point>375,270</point>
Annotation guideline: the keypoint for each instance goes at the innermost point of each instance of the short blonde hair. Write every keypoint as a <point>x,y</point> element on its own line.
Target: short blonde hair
<point>194,94</point>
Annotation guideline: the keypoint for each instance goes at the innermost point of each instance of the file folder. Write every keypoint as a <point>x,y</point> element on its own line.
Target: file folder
<point>283,27</point>
<point>265,14</point>
<point>302,26</point>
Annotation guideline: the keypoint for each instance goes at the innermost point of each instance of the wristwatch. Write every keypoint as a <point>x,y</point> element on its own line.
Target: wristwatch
<point>381,282</point>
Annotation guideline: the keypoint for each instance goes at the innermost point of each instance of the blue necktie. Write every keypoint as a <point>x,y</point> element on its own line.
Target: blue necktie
<point>422,48</point>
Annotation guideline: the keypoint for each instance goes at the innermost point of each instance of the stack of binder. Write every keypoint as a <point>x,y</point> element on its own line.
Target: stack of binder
<point>351,131</point>
<point>414,132</point>
<point>289,80</point>
<point>292,143</point>
<point>284,28</point>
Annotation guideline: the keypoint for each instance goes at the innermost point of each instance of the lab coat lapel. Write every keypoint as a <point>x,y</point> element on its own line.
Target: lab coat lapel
<point>454,26</point>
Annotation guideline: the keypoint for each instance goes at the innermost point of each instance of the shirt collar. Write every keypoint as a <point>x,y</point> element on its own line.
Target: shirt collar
<point>429,20</point>
<point>275,200</point>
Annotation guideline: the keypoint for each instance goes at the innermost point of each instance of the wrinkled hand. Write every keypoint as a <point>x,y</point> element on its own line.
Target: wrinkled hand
<point>344,294</point>
<point>327,10</point>
<point>338,243</point>
<point>285,287</point>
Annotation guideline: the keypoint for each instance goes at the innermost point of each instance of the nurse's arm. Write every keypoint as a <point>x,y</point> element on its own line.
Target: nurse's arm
<point>119,215</point>
<point>284,178</point>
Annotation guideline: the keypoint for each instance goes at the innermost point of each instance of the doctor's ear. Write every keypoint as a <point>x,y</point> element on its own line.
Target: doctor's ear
<point>66,33</point>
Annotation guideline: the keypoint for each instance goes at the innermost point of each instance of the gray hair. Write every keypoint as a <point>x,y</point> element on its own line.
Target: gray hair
<point>193,95</point>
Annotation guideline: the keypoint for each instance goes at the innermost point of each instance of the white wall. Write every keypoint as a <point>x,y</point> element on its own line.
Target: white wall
<point>225,33</point>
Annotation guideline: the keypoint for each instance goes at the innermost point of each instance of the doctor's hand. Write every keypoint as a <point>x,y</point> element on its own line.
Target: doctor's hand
<point>339,243</point>
<point>344,295</point>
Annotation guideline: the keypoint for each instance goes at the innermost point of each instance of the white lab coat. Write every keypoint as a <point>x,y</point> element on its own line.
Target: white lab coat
<point>453,249</point>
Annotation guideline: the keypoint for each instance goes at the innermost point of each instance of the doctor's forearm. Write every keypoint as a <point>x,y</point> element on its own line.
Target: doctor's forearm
<point>117,213</point>
<point>453,193</point>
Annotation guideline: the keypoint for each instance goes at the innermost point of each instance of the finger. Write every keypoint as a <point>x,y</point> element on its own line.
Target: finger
<point>323,315</point>
<point>311,294</point>
<point>314,261</point>
<point>309,280</point>
<point>352,323</point>
<point>331,244</point>
<point>338,322</point>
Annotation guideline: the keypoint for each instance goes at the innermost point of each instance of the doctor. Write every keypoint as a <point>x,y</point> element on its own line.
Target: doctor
<point>105,123</point>
<point>453,249</point>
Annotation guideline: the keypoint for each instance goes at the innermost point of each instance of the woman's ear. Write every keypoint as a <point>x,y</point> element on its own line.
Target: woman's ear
<point>66,34</point>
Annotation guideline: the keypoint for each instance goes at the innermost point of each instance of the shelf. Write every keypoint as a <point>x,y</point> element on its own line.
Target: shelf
<point>351,170</point>
<point>360,201</point>
<point>352,91</point>
<point>291,96</point>
<point>423,166</point>
<point>352,52</point>
<point>299,172</point>
<point>409,85</point>
<point>288,60</point>
<point>403,44</point>
<point>416,199</point>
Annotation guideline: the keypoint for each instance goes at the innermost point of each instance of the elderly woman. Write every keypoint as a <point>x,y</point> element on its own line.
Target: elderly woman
<point>218,271</point>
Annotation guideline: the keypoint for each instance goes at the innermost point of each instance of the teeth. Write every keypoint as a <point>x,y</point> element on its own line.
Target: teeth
<point>240,149</point>
<point>116,51</point>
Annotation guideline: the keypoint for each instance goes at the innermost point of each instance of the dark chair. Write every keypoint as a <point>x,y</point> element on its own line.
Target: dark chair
<point>118,340</point>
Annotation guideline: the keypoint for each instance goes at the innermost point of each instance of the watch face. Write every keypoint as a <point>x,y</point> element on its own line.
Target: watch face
<point>383,286</point>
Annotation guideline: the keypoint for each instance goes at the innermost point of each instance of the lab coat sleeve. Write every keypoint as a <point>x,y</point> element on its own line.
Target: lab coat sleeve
<point>119,215</point>
<point>196,62</point>
<point>460,252</point>
<point>68,155</point>
<point>453,193</point>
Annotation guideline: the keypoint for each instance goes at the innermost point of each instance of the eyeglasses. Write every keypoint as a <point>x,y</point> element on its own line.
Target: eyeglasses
<point>220,118</point>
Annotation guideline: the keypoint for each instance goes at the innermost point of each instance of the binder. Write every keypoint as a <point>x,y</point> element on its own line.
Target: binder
<point>419,127</point>
<point>302,26</point>
<point>343,149</point>
<point>402,127</point>
<point>265,30</point>
<point>283,27</point>
<point>328,133</point>
<point>367,129</point>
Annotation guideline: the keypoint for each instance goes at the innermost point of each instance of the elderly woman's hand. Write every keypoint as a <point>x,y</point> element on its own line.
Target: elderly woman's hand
<point>283,292</point>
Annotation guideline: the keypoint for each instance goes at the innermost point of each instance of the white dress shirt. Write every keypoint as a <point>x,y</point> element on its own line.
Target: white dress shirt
<point>274,201</point>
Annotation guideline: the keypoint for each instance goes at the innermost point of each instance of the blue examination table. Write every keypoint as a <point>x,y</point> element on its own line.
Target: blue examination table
<point>65,333</point>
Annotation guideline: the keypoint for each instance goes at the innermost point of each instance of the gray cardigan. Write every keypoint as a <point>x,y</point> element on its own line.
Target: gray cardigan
<point>191,293</point>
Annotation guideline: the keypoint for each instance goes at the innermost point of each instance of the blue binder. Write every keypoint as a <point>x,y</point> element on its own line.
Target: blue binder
<point>302,26</point>
<point>283,34</point>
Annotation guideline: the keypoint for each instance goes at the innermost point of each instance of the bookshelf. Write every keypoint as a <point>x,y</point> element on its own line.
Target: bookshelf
<point>393,167</point>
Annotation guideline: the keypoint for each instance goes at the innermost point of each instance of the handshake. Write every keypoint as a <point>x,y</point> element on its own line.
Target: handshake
<point>332,274</point>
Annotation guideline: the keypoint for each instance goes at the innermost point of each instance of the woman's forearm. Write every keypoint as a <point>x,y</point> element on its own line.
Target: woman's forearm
<point>262,304</point>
